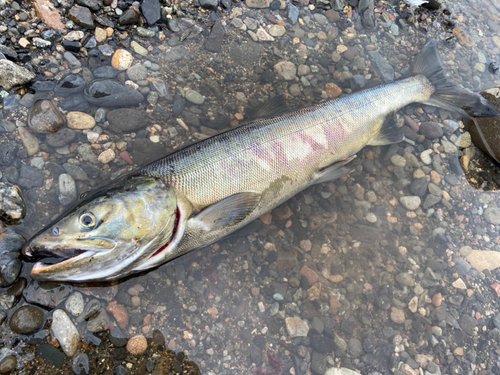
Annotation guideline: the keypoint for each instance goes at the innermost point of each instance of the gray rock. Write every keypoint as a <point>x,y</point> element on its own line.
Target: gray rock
<point>382,66</point>
<point>492,215</point>
<point>431,130</point>
<point>137,72</point>
<point>46,294</point>
<point>216,37</point>
<point>405,279</point>
<point>286,70</point>
<point>467,323</point>
<point>27,319</point>
<point>74,304</point>
<point>72,61</point>
<point>110,93</point>
<point>71,84</point>
<point>430,201</point>
<point>81,16</point>
<point>357,82</point>
<point>209,4</point>
<point>355,348</point>
<point>151,11</point>
<point>105,71</point>
<point>257,3</point>
<point>30,177</point>
<point>411,203</point>
<point>128,119</point>
<point>86,152</point>
<point>12,75</point>
<point>65,332</point>
<point>75,171</point>
<point>194,97</point>
<point>174,54</point>
<point>12,208</point>
<point>61,138</point>
<point>7,153</point>
<point>99,322</point>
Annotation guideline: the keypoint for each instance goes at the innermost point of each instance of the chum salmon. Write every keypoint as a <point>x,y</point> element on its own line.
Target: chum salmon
<point>197,195</point>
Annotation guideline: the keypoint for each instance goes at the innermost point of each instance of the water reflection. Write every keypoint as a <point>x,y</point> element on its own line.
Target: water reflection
<point>342,274</point>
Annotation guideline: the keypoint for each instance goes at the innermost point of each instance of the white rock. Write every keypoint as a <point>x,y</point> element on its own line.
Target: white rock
<point>296,327</point>
<point>67,189</point>
<point>340,371</point>
<point>425,156</point>
<point>65,332</point>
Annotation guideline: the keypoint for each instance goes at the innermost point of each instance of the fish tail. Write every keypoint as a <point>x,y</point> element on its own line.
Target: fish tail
<point>447,94</point>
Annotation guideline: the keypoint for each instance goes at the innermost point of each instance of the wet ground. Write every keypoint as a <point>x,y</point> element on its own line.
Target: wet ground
<point>389,270</point>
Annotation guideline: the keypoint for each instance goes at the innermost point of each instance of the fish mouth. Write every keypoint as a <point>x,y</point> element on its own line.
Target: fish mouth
<point>40,267</point>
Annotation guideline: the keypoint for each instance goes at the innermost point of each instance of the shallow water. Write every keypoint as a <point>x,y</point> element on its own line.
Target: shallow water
<point>343,262</point>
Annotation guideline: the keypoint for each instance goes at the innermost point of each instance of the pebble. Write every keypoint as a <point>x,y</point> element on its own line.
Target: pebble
<point>110,93</point>
<point>106,156</point>
<point>98,322</point>
<point>8,364</point>
<point>411,203</point>
<point>459,284</point>
<point>49,296</point>
<point>277,30</point>
<point>398,160</point>
<point>122,59</point>
<point>119,312</point>
<point>74,304</point>
<point>81,361</point>
<point>30,142</point>
<point>12,75</point>
<point>61,138</point>
<point>397,315</point>
<point>194,97</point>
<point>296,327</point>
<point>492,215</point>
<point>79,120</point>
<point>128,119</point>
<point>26,319</point>
<point>285,70</point>
<point>65,332</point>
<point>138,48</point>
<point>257,3</point>
<point>137,345</point>
<point>425,156</point>
<point>44,117</point>
<point>137,72</point>
<point>51,354</point>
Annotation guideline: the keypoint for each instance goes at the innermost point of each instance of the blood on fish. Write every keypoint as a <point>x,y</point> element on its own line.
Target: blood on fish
<point>177,215</point>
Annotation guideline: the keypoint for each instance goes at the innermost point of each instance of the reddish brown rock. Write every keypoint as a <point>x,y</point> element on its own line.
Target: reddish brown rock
<point>49,14</point>
<point>119,312</point>
<point>311,275</point>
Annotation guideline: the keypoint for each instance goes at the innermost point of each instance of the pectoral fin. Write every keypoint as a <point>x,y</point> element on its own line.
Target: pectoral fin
<point>227,212</point>
<point>334,171</point>
<point>389,133</point>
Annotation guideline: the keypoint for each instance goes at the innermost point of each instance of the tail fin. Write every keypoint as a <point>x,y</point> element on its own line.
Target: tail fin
<point>447,94</point>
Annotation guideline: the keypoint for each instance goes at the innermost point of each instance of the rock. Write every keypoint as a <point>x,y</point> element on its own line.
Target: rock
<point>209,4</point>
<point>105,71</point>
<point>137,345</point>
<point>79,120</point>
<point>285,70</point>
<point>425,156</point>
<point>257,3</point>
<point>430,201</point>
<point>151,11</point>
<point>122,59</point>
<point>117,337</point>
<point>10,263</point>
<point>492,215</point>
<point>145,151</point>
<point>73,62</point>
<point>397,315</point>
<point>94,5</point>
<point>194,97</point>
<point>296,327</point>
<point>382,67</point>
<point>51,354</point>
<point>129,17</point>
<point>411,203</point>
<point>119,312</point>
<point>81,16</point>
<point>398,160</point>
<point>128,119</point>
<point>81,361</point>
<point>27,319</point>
<point>214,41</point>
<point>30,142</point>
<point>8,364</point>
<point>277,30</point>
<point>431,130</point>
<point>137,72</point>
<point>44,117</point>
<point>67,189</point>
<point>76,102</point>
<point>74,304</point>
<point>405,279</point>
<point>106,156</point>
<point>61,138</point>
<point>340,371</point>
<point>419,187</point>
<point>110,93</point>
<point>459,284</point>
<point>332,90</point>
<point>46,294</point>
<point>65,332</point>
<point>7,153</point>
<point>70,84</point>
<point>99,322</point>
<point>30,177</point>
<point>462,37</point>
<point>484,259</point>
<point>49,14</point>
<point>12,75</point>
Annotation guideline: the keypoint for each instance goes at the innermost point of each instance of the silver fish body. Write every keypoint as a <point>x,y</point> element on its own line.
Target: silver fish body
<point>199,194</point>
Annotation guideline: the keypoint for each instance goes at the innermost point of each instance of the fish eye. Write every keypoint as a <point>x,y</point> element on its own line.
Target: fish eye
<point>87,220</point>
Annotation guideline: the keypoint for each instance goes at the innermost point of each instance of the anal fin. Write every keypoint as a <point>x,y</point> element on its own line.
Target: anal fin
<point>227,212</point>
<point>389,133</point>
<point>333,171</point>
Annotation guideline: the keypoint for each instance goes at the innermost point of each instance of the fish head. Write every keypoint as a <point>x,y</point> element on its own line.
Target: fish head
<point>106,236</point>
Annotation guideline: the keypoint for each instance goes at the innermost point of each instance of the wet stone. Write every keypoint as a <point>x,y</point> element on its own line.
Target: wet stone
<point>430,201</point>
<point>17,288</point>
<point>129,17</point>
<point>257,3</point>
<point>117,337</point>
<point>99,322</point>
<point>431,130</point>
<point>81,16</point>
<point>79,120</point>
<point>151,11</point>
<point>44,117</point>
<point>65,331</point>
<point>61,138</point>
<point>128,119</point>
<point>46,294</point>
<point>76,102</point>
<point>105,71</point>
<point>122,59</point>
<point>492,215</point>
<point>12,75</point>
<point>81,362</point>
<point>382,66</point>
<point>216,37</point>
<point>137,72</point>
<point>51,354</point>
<point>30,177</point>
<point>286,70</point>
<point>419,187</point>
<point>12,207</point>
<point>74,304</point>
<point>194,97</point>
<point>71,84</point>
<point>26,319</point>
<point>110,93</point>
<point>8,364</point>
<point>411,203</point>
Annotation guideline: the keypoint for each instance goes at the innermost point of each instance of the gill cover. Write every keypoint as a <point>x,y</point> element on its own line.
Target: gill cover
<point>109,234</point>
